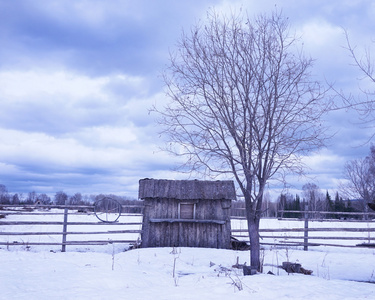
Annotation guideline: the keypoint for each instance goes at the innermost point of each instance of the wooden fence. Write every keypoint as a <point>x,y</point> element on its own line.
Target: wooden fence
<point>306,231</point>
<point>65,221</point>
<point>321,215</point>
<point>77,225</point>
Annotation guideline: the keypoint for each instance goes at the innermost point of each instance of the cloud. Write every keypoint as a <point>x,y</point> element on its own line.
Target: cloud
<point>94,37</point>
<point>99,157</point>
<point>58,102</point>
<point>61,130</point>
<point>77,79</point>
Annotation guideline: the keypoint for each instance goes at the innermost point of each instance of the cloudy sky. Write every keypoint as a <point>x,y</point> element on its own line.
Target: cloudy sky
<point>77,79</point>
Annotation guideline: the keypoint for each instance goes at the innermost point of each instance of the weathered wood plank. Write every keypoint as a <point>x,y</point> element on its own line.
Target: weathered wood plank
<point>186,189</point>
<point>72,243</point>
<point>286,237</point>
<point>221,222</point>
<point>327,212</point>
<point>62,223</point>
<point>70,232</point>
<point>310,230</point>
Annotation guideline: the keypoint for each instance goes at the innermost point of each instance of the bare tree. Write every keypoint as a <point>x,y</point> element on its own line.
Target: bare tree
<point>314,198</point>
<point>360,175</point>
<point>31,197</point>
<point>44,198</point>
<point>61,198</point>
<point>15,199</point>
<point>4,196</point>
<point>242,103</point>
<point>76,199</point>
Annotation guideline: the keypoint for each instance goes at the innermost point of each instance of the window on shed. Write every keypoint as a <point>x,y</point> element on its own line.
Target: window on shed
<point>186,211</point>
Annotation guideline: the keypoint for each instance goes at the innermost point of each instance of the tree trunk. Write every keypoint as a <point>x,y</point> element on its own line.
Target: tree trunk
<point>253,227</point>
<point>253,220</point>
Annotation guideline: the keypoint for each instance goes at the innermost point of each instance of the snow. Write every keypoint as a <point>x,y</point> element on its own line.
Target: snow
<point>110,272</point>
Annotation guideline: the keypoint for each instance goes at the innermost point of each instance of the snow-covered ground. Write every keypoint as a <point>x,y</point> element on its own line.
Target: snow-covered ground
<point>109,272</point>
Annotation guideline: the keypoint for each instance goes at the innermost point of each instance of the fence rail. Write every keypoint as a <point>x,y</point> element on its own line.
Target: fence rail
<point>306,230</point>
<point>25,220</point>
<point>70,232</point>
<point>18,214</point>
<point>71,243</point>
<point>315,212</point>
<point>68,223</point>
<point>284,240</point>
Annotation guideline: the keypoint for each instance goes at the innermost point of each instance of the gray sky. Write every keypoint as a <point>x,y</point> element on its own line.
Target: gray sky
<point>77,79</point>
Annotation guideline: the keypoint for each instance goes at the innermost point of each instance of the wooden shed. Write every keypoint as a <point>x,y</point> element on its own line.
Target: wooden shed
<point>186,213</point>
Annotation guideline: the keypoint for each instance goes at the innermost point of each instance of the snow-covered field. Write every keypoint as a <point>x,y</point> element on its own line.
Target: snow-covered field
<point>109,272</point>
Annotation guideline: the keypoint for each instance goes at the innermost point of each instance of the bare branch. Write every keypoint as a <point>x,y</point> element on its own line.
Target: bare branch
<point>364,103</point>
<point>360,175</point>
<point>243,102</point>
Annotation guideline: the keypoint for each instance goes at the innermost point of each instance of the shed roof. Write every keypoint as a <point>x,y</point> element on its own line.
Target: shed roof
<point>186,189</point>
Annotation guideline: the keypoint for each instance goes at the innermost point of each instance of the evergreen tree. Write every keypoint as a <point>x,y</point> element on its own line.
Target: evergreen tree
<point>298,206</point>
<point>330,206</point>
<point>339,205</point>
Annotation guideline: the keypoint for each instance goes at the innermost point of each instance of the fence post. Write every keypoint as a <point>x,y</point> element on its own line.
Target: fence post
<point>306,232</point>
<point>65,228</point>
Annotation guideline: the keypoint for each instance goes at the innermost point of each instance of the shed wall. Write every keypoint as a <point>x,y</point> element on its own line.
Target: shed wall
<point>210,227</point>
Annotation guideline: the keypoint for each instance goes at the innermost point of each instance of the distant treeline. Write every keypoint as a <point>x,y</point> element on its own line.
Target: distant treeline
<point>62,198</point>
<point>285,202</point>
<point>288,202</point>
<point>317,204</point>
